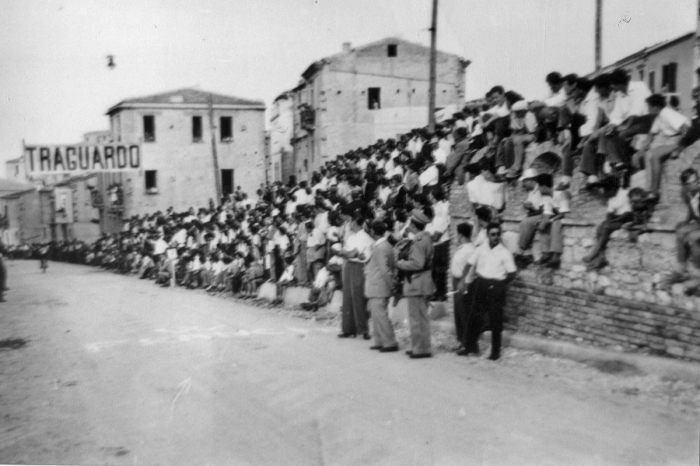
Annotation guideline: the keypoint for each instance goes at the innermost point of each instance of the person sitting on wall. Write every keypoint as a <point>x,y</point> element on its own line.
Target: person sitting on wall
<point>688,231</point>
<point>537,217</point>
<point>668,128</point>
<point>485,189</point>
<point>551,233</point>
<point>619,213</point>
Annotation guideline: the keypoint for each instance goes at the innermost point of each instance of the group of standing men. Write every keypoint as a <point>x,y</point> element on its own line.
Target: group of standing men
<point>375,260</point>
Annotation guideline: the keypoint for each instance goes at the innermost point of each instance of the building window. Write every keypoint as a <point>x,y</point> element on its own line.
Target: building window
<point>226,182</point>
<point>374,98</point>
<point>196,129</point>
<point>641,75</point>
<point>226,129</point>
<point>668,77</point>
<point>151,181</point>
<point>652,84</point>
<point>149,128</point>
<point>391,50</point>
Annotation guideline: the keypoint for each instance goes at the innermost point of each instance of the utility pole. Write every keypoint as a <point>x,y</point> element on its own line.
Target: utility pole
<point>696,51</point>
<point>217,174</point>
<point>598,34</point>
<point>431,91</point>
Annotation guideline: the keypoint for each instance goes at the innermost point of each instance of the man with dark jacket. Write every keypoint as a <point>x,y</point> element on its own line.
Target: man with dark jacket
<point>458,159</point>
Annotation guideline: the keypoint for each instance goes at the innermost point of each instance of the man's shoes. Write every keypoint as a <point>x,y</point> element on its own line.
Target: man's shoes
<point>389,349</point>
<point>366,336</point>
<point>409,352</point>
<point>421,356</point>
<point>376,347</point>
<point>494,357</point>
<point>523,260</point>
<point>466,352</point>
<point>554,262</point>
<point>546,257</point>
<point>347,335</point>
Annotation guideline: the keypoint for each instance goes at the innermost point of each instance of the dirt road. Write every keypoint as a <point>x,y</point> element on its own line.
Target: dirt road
<point>97,368</point>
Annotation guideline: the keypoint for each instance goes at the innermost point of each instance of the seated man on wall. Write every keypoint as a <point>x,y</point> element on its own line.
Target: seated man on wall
<point>668,128</point>
<point>688,231</point>
<point>551,231</point>
<point>484,189</point>
<point>523,126</point>
<point>538,216</point>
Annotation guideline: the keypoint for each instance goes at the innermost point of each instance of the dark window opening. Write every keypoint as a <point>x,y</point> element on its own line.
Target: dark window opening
<point>652,84</point>
<point>668,77</point>
<point>374,98</point>
<point>151,181</point>
<point>226,182</point>
<point>226,128</point>
<point>391,50</point>
<point>196,129</point>
<point>149,128</point>
<point>641,75</point>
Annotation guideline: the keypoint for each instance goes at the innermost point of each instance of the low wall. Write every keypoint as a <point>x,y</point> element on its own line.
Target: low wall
<point>619,305</point>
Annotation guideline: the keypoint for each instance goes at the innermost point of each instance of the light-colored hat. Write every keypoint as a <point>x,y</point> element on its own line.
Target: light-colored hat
<point>336,247</point>
<point>529,174</point>
<point>519,106</point>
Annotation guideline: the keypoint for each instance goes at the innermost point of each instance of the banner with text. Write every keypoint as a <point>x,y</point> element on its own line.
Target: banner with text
<point>74,159</point>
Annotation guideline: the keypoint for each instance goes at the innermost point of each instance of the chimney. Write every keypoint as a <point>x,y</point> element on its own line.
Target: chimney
<point>346,46</point>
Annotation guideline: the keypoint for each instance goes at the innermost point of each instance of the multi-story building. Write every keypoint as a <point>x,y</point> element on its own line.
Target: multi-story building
<point>667,68</point>
<point>349,100</point>
<point>281,128</point>
<point>186,140</point>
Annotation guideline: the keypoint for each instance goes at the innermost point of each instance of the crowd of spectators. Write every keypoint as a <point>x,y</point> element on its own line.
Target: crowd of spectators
<point>307,232</point>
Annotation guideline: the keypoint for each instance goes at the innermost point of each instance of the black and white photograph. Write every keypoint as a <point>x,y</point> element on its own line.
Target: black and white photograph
<point>350,232</point>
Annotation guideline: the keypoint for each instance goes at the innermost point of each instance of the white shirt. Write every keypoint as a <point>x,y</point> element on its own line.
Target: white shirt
<point>667,126</point>
<point>633,103</point>
<point>429,176</point>
<point>559,203</point>
<point>361,242</point>
<point>440,222</point>
<point>620,203</point>
<point>482,191</point>
<point>589,108</point>
<point>460,258</point>
<point>493,263</point>
<point>500,111</point>
<point>440,156</point>
<point>556,100</point>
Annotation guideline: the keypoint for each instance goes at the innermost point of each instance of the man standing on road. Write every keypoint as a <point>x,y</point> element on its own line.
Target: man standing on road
<point>418,284</point>
<point>492,268</point>
<point>379,274</point>
<point>459,269</point>
<point>356,251</point>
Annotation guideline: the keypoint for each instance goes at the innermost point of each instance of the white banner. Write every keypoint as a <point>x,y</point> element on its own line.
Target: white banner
<point>75,159</point>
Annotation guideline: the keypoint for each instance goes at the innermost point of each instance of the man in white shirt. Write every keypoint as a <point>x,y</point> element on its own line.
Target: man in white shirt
<point>628,118</point>
<point>439,230</point>
<point>668,128</point>
<point>491,269</point>
<point>484,190</point>
<point>511,152</point>
<point>357,250</point>
<point>458,270</point>
<point>535,212</point>
<point>591,163</point>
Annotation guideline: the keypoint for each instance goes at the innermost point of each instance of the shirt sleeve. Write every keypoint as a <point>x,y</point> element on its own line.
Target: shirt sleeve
<point>509,262</point>
<point>674,119</point>
<point>556,100</point>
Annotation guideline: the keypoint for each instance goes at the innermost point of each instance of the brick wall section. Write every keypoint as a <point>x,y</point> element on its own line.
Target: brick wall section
<point>619,305</point>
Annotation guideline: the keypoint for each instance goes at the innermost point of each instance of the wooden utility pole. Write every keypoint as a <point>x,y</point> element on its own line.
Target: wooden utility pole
<point>598,34</point>
<point>431,91</point>
<point>696,51</point>
<point>217,173</point>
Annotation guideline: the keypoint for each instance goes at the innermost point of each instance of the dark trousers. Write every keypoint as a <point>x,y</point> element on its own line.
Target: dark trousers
<point>441,258</point>
<point>608,227</point>
<point>486,299</point>
<point>460,309</point>
<point>354,310</point>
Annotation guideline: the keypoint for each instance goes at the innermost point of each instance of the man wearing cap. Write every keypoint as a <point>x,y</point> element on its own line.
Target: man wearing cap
<point>379,274</point>
<point>418,284</point>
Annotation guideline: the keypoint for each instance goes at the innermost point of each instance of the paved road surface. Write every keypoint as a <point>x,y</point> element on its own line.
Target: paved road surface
<point>118,371</point>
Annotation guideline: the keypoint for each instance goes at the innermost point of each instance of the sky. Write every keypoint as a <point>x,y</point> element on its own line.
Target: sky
<point>55,85</point>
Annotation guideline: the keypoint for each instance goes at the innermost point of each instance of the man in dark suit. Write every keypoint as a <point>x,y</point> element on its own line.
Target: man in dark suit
<point>418,284</point>
<point>379,273</point>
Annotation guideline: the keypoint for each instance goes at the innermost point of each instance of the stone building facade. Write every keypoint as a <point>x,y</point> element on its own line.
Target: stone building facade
<point>338,97</point>
<point>281,127</point>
